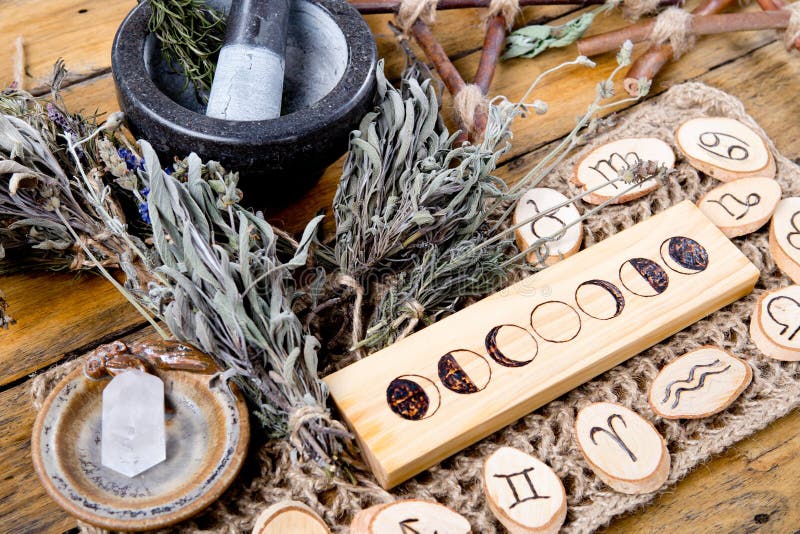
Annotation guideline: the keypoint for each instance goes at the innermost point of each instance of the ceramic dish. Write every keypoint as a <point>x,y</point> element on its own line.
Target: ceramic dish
<point>207,436</point>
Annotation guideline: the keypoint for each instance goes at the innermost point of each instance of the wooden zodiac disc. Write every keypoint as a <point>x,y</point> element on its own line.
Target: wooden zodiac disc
<point>407,517</point>
<point>540,200</point>
<point>606,162</point>
<point>724,148</point>
<point>784,237</point>
<point>525,495</point>
<point>289,516</point>
<point>741,207</point>
<point>698,384</point>
<point>623,449</point>
<point>775,323</point>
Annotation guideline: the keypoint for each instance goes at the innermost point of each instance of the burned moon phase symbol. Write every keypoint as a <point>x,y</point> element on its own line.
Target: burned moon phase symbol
<point>643,277</point>
<point>511,345</point>
<point>413,397</point>
<point>599,299</point>
<point>555,321</point>
<point>684,255</point>
<point>464,371</point>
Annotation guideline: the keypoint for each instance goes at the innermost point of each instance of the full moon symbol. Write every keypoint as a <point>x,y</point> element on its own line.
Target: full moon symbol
<point>413,397</point>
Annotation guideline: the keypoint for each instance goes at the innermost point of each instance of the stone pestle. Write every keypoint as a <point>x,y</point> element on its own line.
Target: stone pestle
<point>248,83</point>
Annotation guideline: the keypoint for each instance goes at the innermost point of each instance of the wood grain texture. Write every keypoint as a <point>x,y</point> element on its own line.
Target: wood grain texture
<point>57,314</point>
<point>428,396</point>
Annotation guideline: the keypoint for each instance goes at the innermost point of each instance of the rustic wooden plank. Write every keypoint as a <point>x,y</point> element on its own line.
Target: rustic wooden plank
<point>57,314</point>
<point>24,505</point>
<point>431,394</point>
<point>58,28</point>
<point>750,488</point>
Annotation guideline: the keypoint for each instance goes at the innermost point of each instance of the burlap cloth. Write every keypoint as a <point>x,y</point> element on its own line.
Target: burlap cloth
<point>270,476</point>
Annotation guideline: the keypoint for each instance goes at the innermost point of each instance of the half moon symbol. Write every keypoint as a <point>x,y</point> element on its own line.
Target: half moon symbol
<point>684,255</point>
<point>596,302</point>
<point>643,277</point>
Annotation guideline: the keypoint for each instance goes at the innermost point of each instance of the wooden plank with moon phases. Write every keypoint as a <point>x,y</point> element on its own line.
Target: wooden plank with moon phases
<point>428,396</point>
<point>724,148</point>
<point>743,206</point>
<point>606,162</point>
<point>700,383</point>
<point>409,517</point>
<point>549,225</point>
<point>623,449</point>
<point>775,323</point>
<point>289,516</point>
<point>784,237</point>
<point>524,494</point>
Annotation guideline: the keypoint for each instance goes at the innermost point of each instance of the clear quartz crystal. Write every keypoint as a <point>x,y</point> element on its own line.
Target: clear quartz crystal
<point>133,434</point>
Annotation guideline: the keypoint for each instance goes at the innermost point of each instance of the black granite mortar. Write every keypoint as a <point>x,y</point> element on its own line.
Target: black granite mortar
<point>329,86</point>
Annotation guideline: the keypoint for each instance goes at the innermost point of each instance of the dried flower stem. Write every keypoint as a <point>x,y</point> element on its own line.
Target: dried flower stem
<point>391,6</point>
<point>648,65</point>
<point>19,63</point>
<point>701,25</point>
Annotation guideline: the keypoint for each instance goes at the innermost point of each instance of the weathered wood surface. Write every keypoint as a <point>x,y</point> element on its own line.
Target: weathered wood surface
<point>753,487</point>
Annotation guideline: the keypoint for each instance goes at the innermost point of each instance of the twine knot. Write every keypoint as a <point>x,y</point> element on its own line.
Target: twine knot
<point>416,309</point>
<point>508,9</point>
<point>792,33</point>
<point>636,9</point>
<point>411,10</point>
<point>674,26</point>
<point>467,101</point>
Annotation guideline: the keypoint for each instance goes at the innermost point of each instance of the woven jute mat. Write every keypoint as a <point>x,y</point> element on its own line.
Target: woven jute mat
<point>269,474</point>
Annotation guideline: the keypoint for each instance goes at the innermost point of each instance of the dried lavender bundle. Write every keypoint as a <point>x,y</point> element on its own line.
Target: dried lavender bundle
<point>228,293</point>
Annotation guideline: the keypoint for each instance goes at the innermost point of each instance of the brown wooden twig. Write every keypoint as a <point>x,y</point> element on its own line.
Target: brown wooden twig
<point>774,5</point>
<point>490,54</point>
<point>701,25</point>
<point>370,7</point>
<point>648,65</point>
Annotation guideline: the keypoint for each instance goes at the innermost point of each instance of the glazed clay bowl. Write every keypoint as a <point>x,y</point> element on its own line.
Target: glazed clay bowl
<point>207,430</point>
<point>329,85</point>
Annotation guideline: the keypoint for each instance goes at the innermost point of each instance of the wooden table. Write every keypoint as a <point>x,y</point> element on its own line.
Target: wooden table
<point>753,487</point>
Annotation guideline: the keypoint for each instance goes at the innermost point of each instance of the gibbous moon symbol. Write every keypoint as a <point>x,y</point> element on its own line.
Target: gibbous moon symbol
<point>684,255</point>
<point>524,345</point>
<point>555,321</point>
<point>599,299</point>
<point>413,397</point>
<point>643,277</point>
<point>463,371</point>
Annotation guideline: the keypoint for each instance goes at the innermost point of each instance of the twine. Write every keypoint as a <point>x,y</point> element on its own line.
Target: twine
<point>348,281</point>
<point>467,101</point>
<point>674,26</point>
<point>636,9</point>
<point>412,10</point>
<point>508,9</point>
<point>792,33</point>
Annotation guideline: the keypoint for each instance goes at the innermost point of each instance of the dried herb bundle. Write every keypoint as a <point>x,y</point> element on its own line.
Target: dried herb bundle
<point>191,35</point>
<point>227,292</point>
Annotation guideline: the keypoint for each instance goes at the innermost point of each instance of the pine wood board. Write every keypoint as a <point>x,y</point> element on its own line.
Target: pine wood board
<point>57,314</point>
<point>512,352</point>
<point>24,505</point>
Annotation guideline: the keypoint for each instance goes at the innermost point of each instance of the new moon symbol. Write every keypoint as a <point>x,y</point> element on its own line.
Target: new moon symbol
<point>643,277</point>
<point>413,397</point>
<point>555,321</point>
<point>684,255</point>
<point>524,345</point>
<point>599,299</point>
<point>464,371</point>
